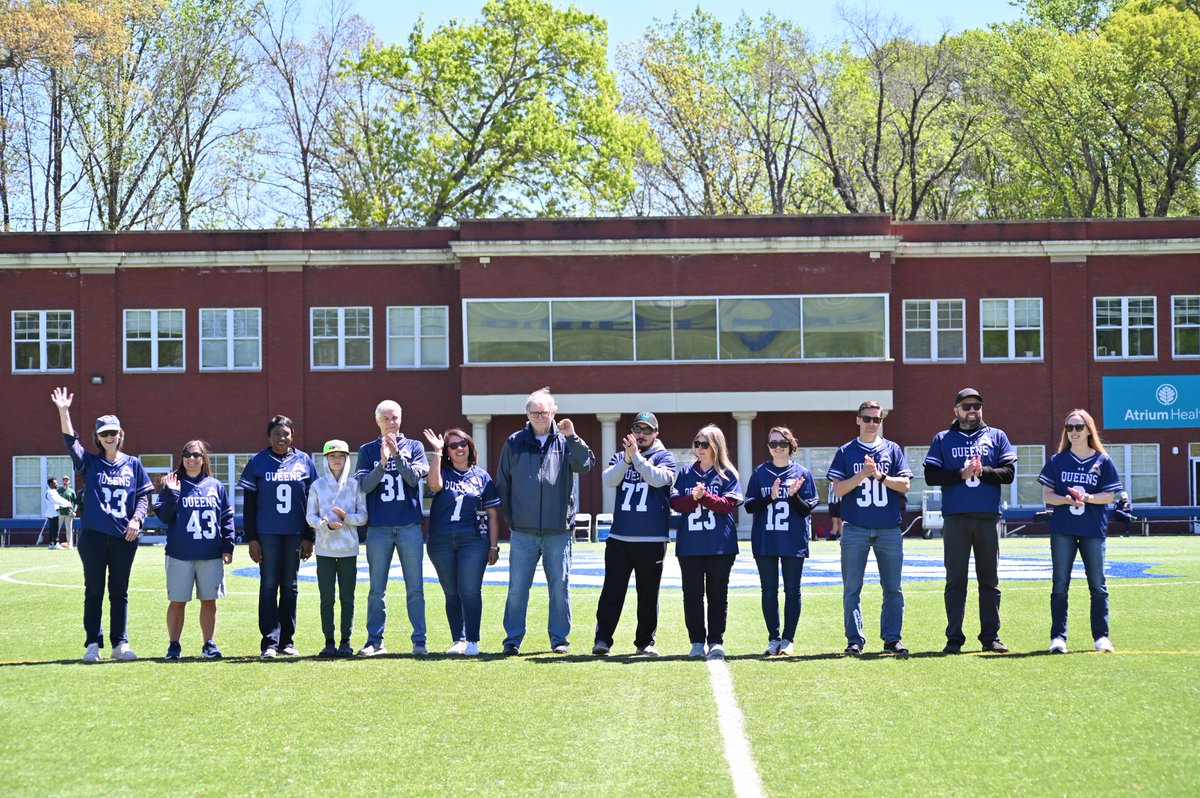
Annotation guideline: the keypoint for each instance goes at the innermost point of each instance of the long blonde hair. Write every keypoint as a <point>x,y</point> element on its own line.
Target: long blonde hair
<point>716,439</point>
<point>1093,435</point>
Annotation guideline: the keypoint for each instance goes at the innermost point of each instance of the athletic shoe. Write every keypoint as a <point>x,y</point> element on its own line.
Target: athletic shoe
<point>562,648</point>
<point>996,647</point>
<point>697,650</point>
<point>289,650</point>
<point>269,653</point>
<point>123,653</point>
<point>952,648</point>
<point>716,651</point>
<point>511,651</point>
<point>600,649</point>
<point>472,649</point>
<point>896,648</point>
<point>1058,646</point>
<point>345,650</point>
<point>329,651</point>
<point>174,650</point>
<point>372,650</point>
<point>785,648</point>
<point>52,546</point>
<point>458,648</point>
<point>648,651</point>
<point>772,648</point>
<point>1103,644</point>
<point>92,654</point>
<point>853,650</point>
<point>419,650</point>
<point>210,650</point>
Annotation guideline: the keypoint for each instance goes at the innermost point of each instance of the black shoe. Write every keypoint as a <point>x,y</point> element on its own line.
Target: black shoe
<point>329,651</point>
<point>995,647</point>
<point>952,648</point>
<point>512,651</point>
<point>895,647</point>
<point>853,650</point>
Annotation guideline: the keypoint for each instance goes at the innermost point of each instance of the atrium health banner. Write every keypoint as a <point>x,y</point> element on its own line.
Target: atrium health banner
<point>1161,401</point>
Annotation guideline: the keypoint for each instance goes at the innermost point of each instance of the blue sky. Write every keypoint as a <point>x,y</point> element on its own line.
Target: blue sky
<point>628,19</point>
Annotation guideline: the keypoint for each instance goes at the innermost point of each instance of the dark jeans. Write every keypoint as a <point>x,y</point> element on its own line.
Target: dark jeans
<point>343,571</point>
<point>105,557</point>
<point>277,589</point>
<point>962,534</point>
<point>460,559</point>
<point>1062,556</point>
<point>645,562</point>
<point>768,578</point>
<point>706,576</point>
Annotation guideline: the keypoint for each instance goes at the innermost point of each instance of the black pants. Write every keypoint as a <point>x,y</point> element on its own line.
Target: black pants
<point>962,534</point>
<point>645,562</point>
<point>105,558</point>
<point>706,576</point>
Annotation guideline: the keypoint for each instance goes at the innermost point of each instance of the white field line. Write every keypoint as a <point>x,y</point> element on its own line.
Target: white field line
<point>746,781</point>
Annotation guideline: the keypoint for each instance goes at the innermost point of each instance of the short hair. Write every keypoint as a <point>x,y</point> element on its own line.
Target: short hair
<point>787,436</point>
<point>543,396</point>
<point>870,403</point>
<point>51,481</point>
<point>472,454</point>
<point>387,404</point>
<point>280,421</point>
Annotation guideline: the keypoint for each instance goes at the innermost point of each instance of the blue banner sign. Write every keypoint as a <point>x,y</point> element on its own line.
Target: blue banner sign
<point>1171,400</point>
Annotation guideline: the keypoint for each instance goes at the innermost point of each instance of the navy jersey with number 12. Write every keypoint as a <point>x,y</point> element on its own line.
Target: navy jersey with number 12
<point>282,486</point>
<point>779,531</point>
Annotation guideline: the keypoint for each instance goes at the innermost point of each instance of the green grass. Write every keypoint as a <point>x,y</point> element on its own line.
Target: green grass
<point>1025,723</point>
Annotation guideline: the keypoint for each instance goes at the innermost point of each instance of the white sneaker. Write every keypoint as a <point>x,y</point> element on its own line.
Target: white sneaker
<point>648,651</point>
<point>772,649</point>
<point>471,650</point>
<point>1104,645</point>
<point>716,651</point>
<point>372,650</point>
<point>562,648</point>
<point>458,648</point>
<point>697,650</point>
<point>92,654</point>
<point>785,648</point>
<point>1058,646</point>
<point>122,652</point>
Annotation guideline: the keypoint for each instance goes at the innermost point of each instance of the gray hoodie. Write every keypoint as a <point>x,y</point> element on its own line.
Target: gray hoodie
<point>327,493</point>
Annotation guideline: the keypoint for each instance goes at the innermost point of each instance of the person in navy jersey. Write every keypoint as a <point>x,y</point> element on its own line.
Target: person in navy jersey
<point>642,474</point>
<point>707,494</point>
<point>200,534</point>
<point>780,495</point>
<point>390,469</point>
<point>870,476</point>
<point>970,461</point>
<point>1079,482</point>
<point>116,497</point>
<point>464,527</point>
<point>274,488</point>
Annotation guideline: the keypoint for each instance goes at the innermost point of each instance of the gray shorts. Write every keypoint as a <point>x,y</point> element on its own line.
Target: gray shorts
<point>207,576</point>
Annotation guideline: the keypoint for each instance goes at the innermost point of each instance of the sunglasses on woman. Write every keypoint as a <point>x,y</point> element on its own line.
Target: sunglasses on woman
<point>700,444</point>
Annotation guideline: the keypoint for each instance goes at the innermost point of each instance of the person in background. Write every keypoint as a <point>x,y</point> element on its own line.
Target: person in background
<point>199,521</point>
<point>53,503</point>
<point>66,516</point>
<point>1122,515</point>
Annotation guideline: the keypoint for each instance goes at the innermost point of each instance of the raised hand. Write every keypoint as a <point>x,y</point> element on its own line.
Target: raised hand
<point>170,481</point>
<point>62,399</point>
<point>566,427</point>
<point>436,441</point>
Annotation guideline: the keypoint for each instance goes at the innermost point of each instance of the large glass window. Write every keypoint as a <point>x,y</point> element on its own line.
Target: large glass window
<point>508,332</point>
<point>1137,463</point>
<point>341,338</point>
<point>934,330</point>
<point>592,330</point>
<point>418,337</point>
<point>760,329</point>
<point>1185,321</point>
<point>676,329</point>
<point>29,481</point>
<point>1124,327</point>
<point>154,340</point>
<point>228,469</point>
<point>230,339</point>
<point>1011,329</point>
<point>844,327</point>
<point>1025,490</point>
<point>43,340</point>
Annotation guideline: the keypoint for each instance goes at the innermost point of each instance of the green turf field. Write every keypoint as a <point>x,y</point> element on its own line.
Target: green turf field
<point>817,723</point>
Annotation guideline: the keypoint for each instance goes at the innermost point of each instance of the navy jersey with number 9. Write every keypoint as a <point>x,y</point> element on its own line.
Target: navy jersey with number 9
<point>282,486</point>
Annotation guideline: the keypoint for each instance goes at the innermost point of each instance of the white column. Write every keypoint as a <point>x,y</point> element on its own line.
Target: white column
<point>479,431</point>
<point>608,447</point>
<point>744,462</point>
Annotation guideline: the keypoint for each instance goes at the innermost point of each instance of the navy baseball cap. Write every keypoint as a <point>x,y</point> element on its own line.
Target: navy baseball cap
<point>646,418</point>
<point>108,424</point>
<point>966,393</point>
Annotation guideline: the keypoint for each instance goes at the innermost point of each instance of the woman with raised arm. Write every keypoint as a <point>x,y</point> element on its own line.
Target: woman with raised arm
<point>116,497</point>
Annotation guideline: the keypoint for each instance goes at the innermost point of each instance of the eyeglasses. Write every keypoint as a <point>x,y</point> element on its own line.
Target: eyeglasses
<point>638,430</point>
<point>872,419</point>
<point>539,413</point>
<point>108,433</point>
<point>192,455</point>
<point>972,405</point>
<point>777,444</point>
<point>1075,427</point>
<point>457,445</point>
<point>700,444</point>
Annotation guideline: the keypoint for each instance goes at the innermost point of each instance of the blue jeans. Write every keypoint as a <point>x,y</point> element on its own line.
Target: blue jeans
<point>460,559</point>
<point>768,578</point>
<point>524,549</point>
<point>1062,556</point>
<point>889,556</point>
<point>105,557</point>
<point>405,541</point>
<point>278,589</point>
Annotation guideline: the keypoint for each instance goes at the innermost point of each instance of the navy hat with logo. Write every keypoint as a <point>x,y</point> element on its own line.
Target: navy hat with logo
<point>108,424</point>
<point>646,418</point>
<point>966,393</point>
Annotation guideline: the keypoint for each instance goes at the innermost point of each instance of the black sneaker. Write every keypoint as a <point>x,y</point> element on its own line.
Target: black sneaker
<point>996,647</point>
<point>174,650</point>
<point>512,651</point>
<point>952,648</point>
<point>345,650</point>
<point>853,650</point>
<point>895,647</point>
<point>330,650</point>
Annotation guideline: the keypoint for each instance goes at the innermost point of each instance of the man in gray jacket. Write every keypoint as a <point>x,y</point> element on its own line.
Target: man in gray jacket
<point>535,480</point>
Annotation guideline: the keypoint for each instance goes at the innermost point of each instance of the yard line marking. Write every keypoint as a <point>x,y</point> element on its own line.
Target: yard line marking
<point>746,781</point>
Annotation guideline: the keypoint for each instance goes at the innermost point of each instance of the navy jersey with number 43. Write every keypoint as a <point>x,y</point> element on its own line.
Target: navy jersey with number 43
<point>282,486</point>
<point>464,494</point>
<point>199,519</point>
<point>1095,474</point>
<point>871,505</point>
<point>110,490</point>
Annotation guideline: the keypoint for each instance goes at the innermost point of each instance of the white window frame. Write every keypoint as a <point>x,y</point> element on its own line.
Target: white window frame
<point>935,305</point>
<point>1126,472</point>
<point>418,337</point>
<point>1036,455</point>
<point>62,466</point>
<point>230,339</point>
<point>1175,325</point>
<point>915,455</point>
<point>1124,300</point>
<point>1012,329</point>
<point>341,338</point>
<point>155,340</point>
<point>43,342</point>
<point>233,463</point>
